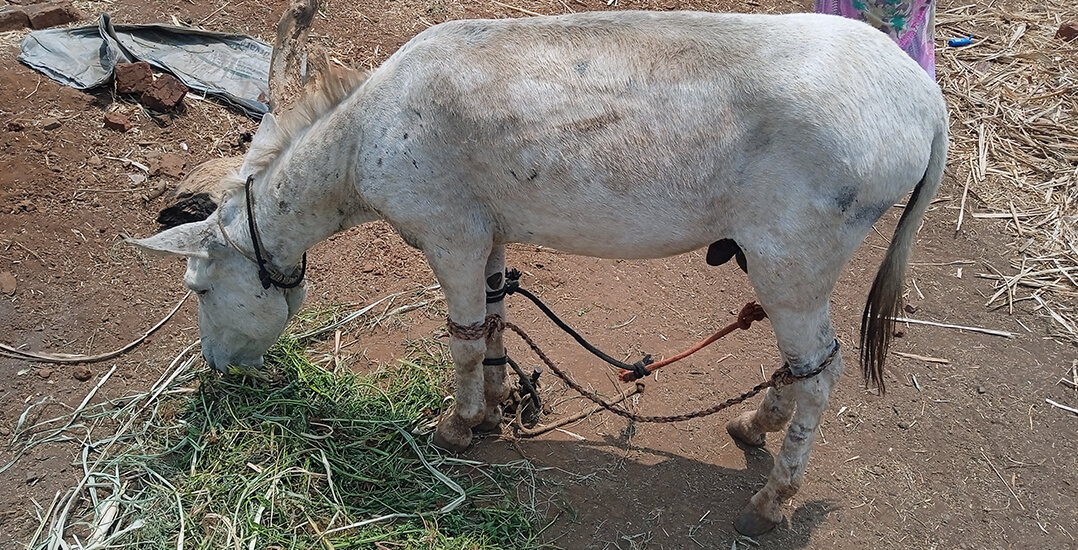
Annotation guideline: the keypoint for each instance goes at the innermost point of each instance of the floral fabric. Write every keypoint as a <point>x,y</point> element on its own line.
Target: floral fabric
<point>910,23</point>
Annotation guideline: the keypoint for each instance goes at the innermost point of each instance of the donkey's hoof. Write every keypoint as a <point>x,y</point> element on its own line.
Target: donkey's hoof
<point>752,524</point>
<point>452,434</point>
<point>492,423</point>
<point>741,430</point>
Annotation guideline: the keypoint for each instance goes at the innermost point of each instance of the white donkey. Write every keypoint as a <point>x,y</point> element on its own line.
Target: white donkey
<point>618,135</point>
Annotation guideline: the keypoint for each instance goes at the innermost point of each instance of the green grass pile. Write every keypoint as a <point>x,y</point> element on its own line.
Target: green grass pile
<point>288,460</point>
<point>294,457</point>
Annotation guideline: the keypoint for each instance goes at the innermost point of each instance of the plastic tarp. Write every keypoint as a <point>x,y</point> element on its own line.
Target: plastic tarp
<point>232,67</point>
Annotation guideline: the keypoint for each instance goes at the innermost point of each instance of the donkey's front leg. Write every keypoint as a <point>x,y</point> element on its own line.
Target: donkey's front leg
<point>495,391</point>
<point>460,274</point>
<point>764,511</point>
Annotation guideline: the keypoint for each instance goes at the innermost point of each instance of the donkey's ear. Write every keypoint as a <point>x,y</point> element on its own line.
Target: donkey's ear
<point>194,240</point>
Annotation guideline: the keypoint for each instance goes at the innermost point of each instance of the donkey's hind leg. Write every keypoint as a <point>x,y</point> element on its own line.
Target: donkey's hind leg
<point>774,412</point>
<point>494,389</point>
<point>806,340</point>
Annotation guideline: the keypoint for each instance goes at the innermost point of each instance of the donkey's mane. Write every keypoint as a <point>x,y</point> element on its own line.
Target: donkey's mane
<point>321,96</point>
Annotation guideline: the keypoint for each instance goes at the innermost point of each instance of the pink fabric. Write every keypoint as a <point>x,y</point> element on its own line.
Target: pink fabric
<point>910,23</point>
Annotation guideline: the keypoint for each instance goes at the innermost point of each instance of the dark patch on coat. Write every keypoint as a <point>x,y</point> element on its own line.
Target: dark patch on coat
<point>591,124</point>
<point>531,175</point>
<point>845,198</point>
<point>581,67</point>
<point>867,215</point>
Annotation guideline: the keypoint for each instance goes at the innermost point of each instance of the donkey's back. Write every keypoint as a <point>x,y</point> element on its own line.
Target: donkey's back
<point>581,131</point>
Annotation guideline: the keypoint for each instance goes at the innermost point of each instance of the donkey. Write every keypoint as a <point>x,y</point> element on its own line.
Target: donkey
<point>609,134</point>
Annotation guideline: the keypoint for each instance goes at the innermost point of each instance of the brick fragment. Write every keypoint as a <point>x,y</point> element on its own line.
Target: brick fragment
<point>133,78</point>
<point>51,14</point>
<point>117,121</point>
<point>167,164</point>
<point>164,94</point>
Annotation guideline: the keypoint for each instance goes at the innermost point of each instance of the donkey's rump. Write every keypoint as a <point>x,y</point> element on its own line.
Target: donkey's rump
<point>698,120</point>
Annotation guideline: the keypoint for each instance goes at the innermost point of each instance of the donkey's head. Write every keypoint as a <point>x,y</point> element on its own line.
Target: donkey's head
<point>243,304</point>
<point>241,312</point>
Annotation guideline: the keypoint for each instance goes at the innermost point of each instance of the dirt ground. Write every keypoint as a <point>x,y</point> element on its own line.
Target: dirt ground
<point>959,454</point>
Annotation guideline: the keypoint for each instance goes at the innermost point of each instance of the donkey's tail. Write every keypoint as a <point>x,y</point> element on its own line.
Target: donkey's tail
<point>885,298</point>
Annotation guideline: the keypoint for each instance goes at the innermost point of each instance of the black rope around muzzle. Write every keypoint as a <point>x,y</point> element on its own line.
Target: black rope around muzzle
<point>512,286</point>
<point>267,276</point>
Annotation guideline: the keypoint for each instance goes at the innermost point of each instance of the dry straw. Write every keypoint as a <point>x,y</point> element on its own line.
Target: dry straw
<point>1013,98</point>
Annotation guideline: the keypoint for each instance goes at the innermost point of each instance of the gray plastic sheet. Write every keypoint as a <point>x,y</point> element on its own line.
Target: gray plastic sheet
<point>231,67</point>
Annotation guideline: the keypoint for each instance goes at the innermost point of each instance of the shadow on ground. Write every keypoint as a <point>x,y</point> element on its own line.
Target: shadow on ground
<point>612,494</point>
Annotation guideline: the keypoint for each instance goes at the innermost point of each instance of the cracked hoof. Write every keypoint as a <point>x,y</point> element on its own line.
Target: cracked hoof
<point>741,430</point>
<point>751,524</point>
<point>452,434</point>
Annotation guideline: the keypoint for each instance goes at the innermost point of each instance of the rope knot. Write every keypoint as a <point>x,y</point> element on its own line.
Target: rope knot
<point>640,370</point>
<point>493,324</point>
<point>510,286</point>
<point>751,312</point>
<point>784,376</point>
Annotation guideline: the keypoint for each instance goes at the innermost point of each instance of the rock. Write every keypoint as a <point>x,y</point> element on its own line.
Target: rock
<point>1068,31</point>
<point>95,160</point>
<point>51,14</point>
<point>899,332</point>
<point>167,164</point>
<point>15,126</point>
<point>51,124</point>
<point>137,179</point>
<point>904,425</point>
<point>117,121</point>
<point>25,206</point>
<point>71,99</point>
<point>164,94</point>
<point>980,389</point>
<point>7,282</point>
<point>133,78</point>
<point>158,190</point>
<point>13,20</point>
<point>82,373</point>
<point>910,308</point>
<point>31,477</point>
<point>44,373</point>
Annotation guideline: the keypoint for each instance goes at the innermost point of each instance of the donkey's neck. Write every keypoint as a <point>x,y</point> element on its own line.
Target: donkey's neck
<point>308,194</point>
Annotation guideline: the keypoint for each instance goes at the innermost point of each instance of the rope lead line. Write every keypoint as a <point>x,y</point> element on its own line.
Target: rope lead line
<point>512,286</point>
<point>781,377</point>
<point>493,324</point>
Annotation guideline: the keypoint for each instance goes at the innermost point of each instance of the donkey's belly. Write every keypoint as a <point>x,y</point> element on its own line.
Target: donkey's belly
<point>651,231</point>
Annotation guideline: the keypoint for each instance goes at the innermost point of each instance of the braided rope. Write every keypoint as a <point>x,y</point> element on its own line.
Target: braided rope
<point>781,377</point>
<point>477,331</point>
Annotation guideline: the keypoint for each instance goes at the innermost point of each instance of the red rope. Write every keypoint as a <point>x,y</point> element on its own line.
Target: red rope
<point>751,312</point>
